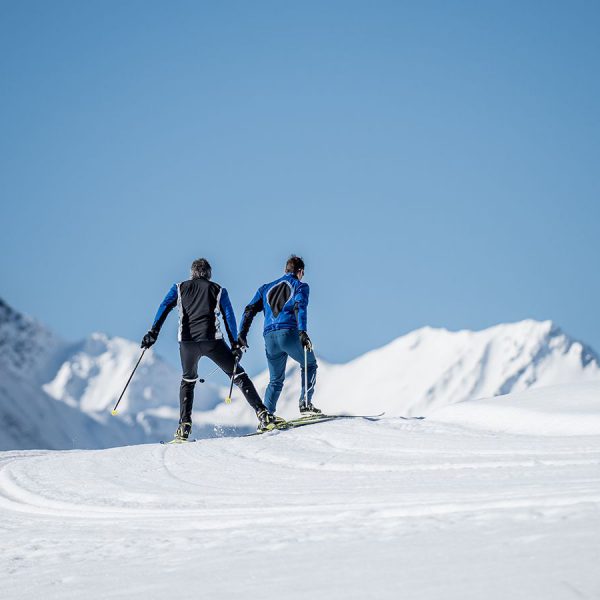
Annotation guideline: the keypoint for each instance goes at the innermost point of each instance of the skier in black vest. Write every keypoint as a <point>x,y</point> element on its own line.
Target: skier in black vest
<point>201,302</point>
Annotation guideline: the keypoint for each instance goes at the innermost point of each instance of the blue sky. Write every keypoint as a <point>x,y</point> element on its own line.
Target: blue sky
<point>434,162</point>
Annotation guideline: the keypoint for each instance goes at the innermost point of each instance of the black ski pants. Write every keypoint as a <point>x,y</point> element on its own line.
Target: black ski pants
<point>221,355</point>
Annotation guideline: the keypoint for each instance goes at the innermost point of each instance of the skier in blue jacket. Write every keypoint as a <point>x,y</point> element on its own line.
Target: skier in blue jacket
<point>284,303</point>
<point>201,302</point>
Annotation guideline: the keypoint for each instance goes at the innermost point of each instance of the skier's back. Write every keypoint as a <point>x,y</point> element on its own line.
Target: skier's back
<point>201,302</point>
<point>285,306</point>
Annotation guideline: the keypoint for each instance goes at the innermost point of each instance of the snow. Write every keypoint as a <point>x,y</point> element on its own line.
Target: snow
<point>557,410</point>
<point>58,395</point>
<point>429,369</point>
<point>444,507</point>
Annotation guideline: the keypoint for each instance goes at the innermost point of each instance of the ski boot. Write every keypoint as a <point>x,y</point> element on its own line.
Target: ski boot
<point>280,422</point>
<point>309,410</point>
<point>267,421</point>
<point>182,434</point>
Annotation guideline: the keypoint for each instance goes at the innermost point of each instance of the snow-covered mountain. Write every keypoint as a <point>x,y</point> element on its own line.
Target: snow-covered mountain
<point>55,394</point>
<point>27,348</point>
<point>430,368</point>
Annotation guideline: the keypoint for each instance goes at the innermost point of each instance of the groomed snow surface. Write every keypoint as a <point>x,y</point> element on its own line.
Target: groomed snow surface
<point>482,500</point>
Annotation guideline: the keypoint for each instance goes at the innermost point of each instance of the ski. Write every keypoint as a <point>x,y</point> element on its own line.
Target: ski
<point>177,442</point>
<point>293,424</point>
<point>324,416</point>
<point>313,419</point>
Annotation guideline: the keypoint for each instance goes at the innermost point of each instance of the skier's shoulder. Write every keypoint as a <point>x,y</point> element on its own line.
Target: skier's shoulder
<point>265,287</point>
<point>185,285</point>
<point>300,287</point>
<point>217,289</point>
<point>198,283</point>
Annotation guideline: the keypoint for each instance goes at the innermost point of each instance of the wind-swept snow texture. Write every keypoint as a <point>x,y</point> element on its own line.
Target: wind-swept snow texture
<point>342,510</point>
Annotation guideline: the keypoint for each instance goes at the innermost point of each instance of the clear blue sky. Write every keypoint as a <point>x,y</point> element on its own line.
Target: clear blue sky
<point>434,162</point>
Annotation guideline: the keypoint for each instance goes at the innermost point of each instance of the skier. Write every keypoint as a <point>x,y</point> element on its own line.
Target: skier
<point>284,303</point>
<point>200,302</point>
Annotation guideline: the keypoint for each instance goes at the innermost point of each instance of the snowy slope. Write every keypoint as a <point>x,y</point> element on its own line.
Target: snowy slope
<point>345,510</point>
<point>55,394</point>
<point>93,373</point>
<point>27,348</point>
<point>413,375</point>
<point>32,419</point>
<point>431,368</point>
<point>572,409</point>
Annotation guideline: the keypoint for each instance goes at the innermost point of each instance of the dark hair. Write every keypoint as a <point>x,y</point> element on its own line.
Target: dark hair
<point>294,264</point>
<point>201,268</point>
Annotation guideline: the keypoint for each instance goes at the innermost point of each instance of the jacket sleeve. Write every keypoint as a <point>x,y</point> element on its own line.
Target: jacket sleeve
<point>256,305</point>
<point>228,316</point>
<point>166,306</point>
<point>301,305</point>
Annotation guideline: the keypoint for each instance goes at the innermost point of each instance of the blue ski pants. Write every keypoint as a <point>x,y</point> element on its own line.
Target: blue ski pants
<point>279,345</point>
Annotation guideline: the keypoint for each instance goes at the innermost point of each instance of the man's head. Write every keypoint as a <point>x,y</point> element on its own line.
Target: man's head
<point>295,266</point>
<point>201,268</point>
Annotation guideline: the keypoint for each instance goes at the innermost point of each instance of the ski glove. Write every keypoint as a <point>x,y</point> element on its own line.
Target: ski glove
<point>305,341</point>
<point>149,339</point>
<point>237,351</point>
<point>242,342</point>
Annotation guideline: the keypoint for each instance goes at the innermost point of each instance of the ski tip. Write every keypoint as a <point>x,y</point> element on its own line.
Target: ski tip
<point>114,412</point>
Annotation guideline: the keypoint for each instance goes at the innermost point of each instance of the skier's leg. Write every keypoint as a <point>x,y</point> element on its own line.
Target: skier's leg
<point>292,345</point>
<point>276,359</point>
<point>221,355</point>
<point>190,354</point>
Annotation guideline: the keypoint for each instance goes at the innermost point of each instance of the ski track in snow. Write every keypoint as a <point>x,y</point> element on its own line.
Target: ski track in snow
<point>344,510</point>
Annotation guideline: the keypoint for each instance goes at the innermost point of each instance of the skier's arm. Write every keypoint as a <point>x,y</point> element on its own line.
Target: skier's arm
<point>228,316</point>
<point>301,305</point>
<point>166,306</point>
<point>255,306</point>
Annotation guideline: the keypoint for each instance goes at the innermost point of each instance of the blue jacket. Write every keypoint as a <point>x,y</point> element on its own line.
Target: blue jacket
<point>284,303</point>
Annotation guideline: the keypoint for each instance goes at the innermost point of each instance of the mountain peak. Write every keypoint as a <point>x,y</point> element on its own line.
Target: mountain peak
<point>412,375</point>
<point>432,367</point>
<point>26,347</point>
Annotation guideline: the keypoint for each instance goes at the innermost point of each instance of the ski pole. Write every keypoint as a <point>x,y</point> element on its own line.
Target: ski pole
<point>228,399</point>
<point>305,376</point>
<point>211,373</point>
<point>114,410</point>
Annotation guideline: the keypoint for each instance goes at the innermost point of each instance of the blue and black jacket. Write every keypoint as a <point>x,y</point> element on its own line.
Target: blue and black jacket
<point>200,302</point>
<point>284,302</point>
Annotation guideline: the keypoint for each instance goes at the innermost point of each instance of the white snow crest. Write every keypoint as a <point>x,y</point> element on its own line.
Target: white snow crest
<point>415,375</point>
<point>432,368</point>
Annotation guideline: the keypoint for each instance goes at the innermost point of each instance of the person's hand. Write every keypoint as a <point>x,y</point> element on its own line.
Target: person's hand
<point>149,339</point>
<point>305,340</point>
<point>237,351</point>
<point>242,342</point>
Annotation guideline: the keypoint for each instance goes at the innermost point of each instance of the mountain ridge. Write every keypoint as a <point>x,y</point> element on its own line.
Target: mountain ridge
<point>412,375</point>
